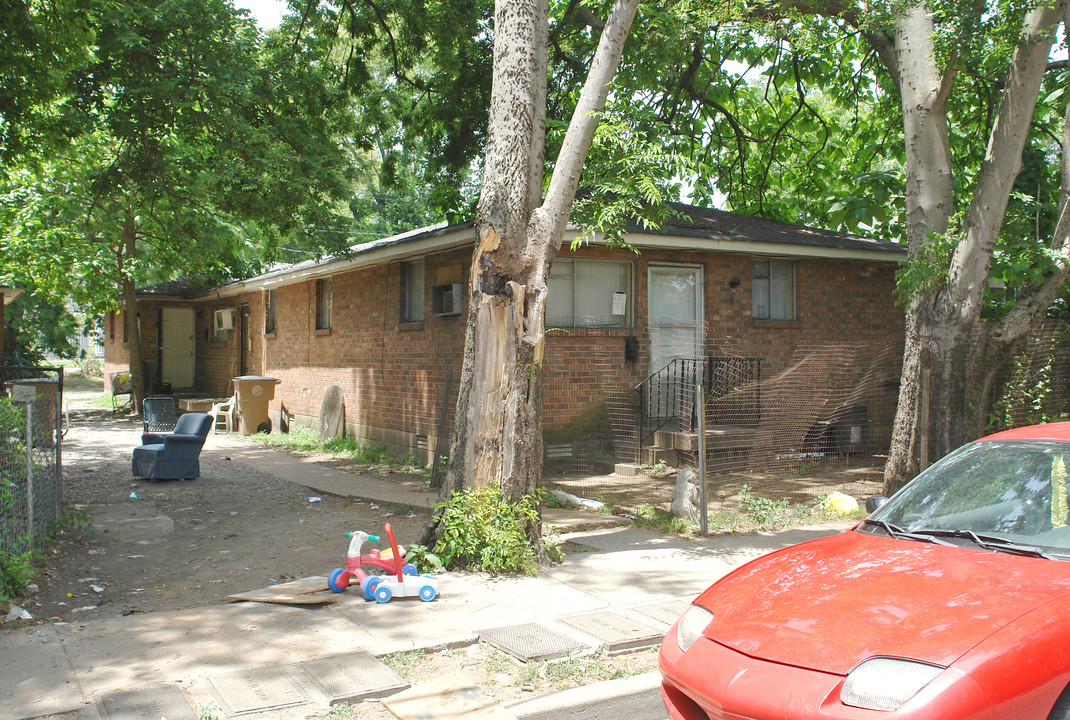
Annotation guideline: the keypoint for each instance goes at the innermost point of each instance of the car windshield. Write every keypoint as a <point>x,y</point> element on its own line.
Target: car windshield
<point>1008,496</point>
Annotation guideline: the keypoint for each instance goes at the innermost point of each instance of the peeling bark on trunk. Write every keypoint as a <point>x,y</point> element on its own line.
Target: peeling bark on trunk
<point>497,438</point>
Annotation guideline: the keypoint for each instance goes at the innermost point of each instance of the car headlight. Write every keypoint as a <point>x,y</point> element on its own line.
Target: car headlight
<point>691,625</point>
<point>884,683</point>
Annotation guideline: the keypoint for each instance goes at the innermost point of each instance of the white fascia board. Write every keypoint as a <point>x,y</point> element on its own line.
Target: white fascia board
<point>749,247</point>
<point>379,252</point>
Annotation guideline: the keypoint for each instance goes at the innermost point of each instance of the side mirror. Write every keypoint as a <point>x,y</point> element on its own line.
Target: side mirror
<point>874,502</point>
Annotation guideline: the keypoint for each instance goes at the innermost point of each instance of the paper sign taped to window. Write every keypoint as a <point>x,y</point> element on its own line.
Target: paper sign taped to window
<point>620,303</point>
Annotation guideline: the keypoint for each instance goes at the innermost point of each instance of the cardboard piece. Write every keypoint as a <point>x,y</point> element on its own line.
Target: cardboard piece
<point>309,591</point>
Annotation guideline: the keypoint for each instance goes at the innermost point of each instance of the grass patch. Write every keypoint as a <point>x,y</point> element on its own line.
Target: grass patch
<point>305,439</point>
<point>755,513</point>
<point>81,382</point>
<point>404,662</point>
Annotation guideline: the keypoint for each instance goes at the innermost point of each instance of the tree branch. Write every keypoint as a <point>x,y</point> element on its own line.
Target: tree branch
<point>580,134</point>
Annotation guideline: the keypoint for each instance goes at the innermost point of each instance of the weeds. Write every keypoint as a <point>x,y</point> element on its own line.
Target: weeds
<point>403,662</point>
<point>209,711</point>
<point>16,572</point>
<point>484,531</point>
<point>767,514</point>
<point>664,522</point>
<point>423,558</point>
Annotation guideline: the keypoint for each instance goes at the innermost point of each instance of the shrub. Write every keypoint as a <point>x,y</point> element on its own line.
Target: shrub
<point>481,530</point>
<point>16,572</point>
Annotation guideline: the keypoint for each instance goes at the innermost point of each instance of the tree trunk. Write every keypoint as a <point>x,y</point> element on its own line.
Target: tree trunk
<point>944,330</point>
<point>133,329</point>
<point>497,438</point>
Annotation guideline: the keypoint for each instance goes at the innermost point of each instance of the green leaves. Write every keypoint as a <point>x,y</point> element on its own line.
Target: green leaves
<point>210,142</point>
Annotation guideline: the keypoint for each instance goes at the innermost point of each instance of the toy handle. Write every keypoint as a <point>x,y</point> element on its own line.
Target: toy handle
<point>373,538</point>
<point>394,549</point>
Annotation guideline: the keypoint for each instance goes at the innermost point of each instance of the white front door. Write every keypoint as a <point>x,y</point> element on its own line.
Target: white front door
<point>676,325</point>
<point>177,347</point>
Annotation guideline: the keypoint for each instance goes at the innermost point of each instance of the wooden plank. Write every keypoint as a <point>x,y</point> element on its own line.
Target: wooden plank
<point>308,591</point>
<point>449,697</point>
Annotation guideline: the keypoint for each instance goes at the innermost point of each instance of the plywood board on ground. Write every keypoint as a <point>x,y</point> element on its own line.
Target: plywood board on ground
<point>309,591</point>
<point>455,696</point>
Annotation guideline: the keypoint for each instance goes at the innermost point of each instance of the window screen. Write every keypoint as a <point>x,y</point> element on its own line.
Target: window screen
<point>412,291</point>
<point>589,293</point>
<point>323,304</point>
<point>773,289</point>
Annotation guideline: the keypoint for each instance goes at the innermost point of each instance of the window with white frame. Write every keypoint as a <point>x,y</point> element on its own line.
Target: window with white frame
<point>589,293</point>
<point>271,311</point>
<point>773,289</point>
<point>412,291</point>
<point>323,304</point>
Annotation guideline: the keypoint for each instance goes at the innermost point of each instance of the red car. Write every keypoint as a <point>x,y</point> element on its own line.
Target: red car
<point>949,602</point>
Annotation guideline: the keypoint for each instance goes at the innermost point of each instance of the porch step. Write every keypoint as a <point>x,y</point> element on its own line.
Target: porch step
<point>721,437</point>
<point>654,455</point>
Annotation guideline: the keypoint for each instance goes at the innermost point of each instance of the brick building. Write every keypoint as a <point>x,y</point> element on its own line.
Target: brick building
<point>386,323</point>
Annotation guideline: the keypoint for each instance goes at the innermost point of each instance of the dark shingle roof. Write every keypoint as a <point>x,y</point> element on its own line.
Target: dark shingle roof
<point>722,225</point>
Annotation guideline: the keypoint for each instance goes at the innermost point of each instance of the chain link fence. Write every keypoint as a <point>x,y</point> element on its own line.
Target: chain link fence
<point>31,488</point>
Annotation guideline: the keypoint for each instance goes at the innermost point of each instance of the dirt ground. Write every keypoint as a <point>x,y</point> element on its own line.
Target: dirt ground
<point>174,544</point>
<point>168,545</point>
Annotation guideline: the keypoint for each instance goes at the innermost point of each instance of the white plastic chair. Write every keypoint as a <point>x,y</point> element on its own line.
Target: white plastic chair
<point>223,411</point>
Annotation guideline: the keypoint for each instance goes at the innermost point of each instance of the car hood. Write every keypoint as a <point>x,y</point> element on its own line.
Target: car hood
<point>831,603</point>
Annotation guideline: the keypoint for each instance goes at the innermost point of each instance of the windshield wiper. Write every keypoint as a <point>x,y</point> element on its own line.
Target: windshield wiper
<point>897,532</point>
<point>988,542</point>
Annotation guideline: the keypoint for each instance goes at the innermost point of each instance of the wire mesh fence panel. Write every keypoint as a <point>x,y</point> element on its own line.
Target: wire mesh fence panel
<point>31,490</point>
<point>822,423</point>
<point>1035,385</point>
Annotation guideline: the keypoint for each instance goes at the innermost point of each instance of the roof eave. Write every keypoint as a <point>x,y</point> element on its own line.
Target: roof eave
<point>699,241</point>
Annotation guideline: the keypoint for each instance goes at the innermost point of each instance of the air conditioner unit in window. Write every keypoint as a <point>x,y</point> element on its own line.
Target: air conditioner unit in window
<point>446,299</point>
<point>224,319</point>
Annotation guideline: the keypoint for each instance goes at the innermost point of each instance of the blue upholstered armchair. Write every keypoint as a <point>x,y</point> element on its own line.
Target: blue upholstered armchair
<point>172,456</point>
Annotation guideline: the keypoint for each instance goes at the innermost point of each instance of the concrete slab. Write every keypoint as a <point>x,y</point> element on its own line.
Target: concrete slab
<point>530,641</point>
<point>633,566</point>
<point>467,602</point>
<point>667,612</point>
<point>257,689</point>
<point>36,678</point>
<point>140,650</point>
<point>161,701</point>
<point>353,677</point>
<point>616,632</point>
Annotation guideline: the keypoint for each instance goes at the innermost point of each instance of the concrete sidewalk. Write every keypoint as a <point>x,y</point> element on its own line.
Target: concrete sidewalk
<point>631,576</point>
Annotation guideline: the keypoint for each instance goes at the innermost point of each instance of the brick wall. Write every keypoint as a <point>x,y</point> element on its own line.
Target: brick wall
<point>838,301</point>
<point>392,374</point>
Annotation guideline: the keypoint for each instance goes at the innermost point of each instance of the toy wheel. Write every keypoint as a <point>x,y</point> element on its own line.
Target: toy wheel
<point>336,581</point>
<point>382,593</point>
<point>427,593</point>
<point>409,569</point>
<point>368,585</point>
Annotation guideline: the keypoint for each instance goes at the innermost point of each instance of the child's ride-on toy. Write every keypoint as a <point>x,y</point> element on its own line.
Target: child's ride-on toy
<point>340,578</point>
<point>423,586</point>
